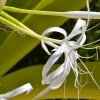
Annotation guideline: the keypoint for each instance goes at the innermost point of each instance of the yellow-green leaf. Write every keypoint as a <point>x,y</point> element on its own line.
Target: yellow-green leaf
<point>32,75</point>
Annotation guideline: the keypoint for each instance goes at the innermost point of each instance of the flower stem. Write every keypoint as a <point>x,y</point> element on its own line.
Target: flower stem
<point>69,14</point>
<point>21,27</point>
<point>15,24</point>
<point>13,9</point>
<point>10,18</point>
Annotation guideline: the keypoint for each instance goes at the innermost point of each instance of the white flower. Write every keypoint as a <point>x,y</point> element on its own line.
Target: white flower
<point>69,48</point>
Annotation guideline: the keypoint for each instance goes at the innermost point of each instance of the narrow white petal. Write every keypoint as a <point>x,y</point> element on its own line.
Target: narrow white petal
<point>42,93</point>
<point>52,29</point>
<point>55,56</point>
<point>76,29</point>
<point>44,47</point>
<point>55,29</point>
<point>78,25</point>
<point>59,80</point>
<point>27,87</point>
<point>48,79</point>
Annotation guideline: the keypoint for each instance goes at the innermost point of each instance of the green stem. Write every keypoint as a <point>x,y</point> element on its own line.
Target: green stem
<point>30,32</point>
<point>13,9</point>
<point>26,30</point>
<point>12,19</point>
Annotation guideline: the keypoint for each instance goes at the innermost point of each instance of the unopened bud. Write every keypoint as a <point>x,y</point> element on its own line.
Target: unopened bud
<point>2,4</point>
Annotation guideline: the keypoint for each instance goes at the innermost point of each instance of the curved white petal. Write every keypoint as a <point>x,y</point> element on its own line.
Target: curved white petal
<point>48,79</point>
<point>52,29</point>
<point>59,80</point>
<point>44,47</point>
<point>76,29</point>
<point>82,38</point>
<point>54,84</point>
<point>27,87</point>
<point>55,29</point>
<point>52,60</point>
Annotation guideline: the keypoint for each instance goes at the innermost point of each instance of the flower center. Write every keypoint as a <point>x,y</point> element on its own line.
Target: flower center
<point>72,45</point>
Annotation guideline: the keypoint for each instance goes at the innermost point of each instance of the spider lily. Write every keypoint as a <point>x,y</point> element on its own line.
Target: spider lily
<point>69,48</point>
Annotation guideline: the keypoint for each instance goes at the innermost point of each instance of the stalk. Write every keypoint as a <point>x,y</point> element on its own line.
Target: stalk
<point>27,31</point>
<point>69,14</point>
<point>13,9</point>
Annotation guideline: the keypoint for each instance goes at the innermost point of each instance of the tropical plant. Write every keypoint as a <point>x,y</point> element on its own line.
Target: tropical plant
<point>18,39</point>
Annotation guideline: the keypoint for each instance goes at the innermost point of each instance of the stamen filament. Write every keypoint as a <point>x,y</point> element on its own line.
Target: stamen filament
<point>92,42</point>
<point>89,73</point>
<point>90,48</point>
<point>93,27</point>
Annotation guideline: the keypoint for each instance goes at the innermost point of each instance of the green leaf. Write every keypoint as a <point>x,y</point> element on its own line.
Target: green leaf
<point>32,75</point>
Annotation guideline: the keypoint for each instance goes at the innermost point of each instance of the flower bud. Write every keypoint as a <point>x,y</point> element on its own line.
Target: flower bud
<point>2,4</point>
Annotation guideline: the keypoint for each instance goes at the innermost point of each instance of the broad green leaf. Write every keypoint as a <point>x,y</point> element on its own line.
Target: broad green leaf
<point>16,3</point>
<point>14,47</point>
<point>32,75</point>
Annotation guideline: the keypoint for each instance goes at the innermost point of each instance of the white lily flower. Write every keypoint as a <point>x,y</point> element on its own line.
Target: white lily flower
<point>2,4</point>
<point>69,48</point>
